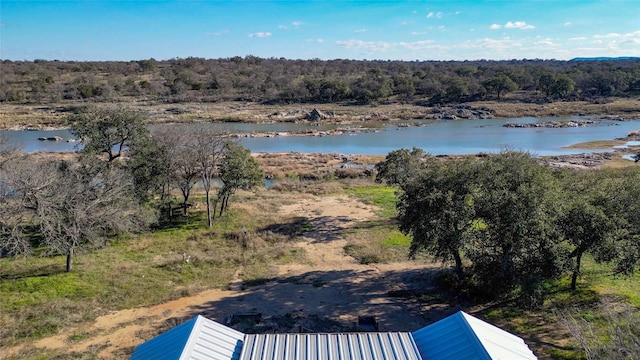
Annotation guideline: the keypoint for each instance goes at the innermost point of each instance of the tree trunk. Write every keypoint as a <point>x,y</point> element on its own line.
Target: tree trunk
<point>226,201</point>
<point>221,207</point>
<point>458,259</point>
<point>576,272</point>
<point>69,259</point>
<point>208,208</point>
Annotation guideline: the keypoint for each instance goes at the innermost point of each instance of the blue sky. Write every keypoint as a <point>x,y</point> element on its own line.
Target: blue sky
<point>397,30</point>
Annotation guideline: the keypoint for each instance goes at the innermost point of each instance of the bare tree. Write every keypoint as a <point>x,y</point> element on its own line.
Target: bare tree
<point>15,174</point>
<point>74,205</point>
<point>208,147</point>
<point>186,174</point>
<point>614,333</point>
<point>6,148</point>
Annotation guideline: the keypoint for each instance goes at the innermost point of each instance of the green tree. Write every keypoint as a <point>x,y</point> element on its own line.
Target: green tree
<point>546,83</point>
<point>562,86</point>
<point>499,85</point>
<point>589,230</point>
<point>436,207</point>
<point>622,189</point>
<point>404,87</point>
<point>150,167</point>
<point>518,246</point>
<point>494,217</point>
<point>400,165</point>
<point>238,171</point>
<point>108,131</point>
<point>456,89</point>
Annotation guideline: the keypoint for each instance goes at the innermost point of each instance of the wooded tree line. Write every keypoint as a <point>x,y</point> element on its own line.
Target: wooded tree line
<point>123,180</point>
<point>509,224</point>
<point>296,81</point>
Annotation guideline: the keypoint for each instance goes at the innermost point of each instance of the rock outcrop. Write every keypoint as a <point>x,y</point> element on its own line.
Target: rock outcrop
<point>462,112</point>
<point>553,124</point>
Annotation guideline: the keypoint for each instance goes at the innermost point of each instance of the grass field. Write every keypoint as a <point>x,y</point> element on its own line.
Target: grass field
<point>38,299</point>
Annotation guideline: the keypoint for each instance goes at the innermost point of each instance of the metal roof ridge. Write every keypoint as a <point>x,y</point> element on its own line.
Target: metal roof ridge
<point>193,337</point>
<point>474,325</point>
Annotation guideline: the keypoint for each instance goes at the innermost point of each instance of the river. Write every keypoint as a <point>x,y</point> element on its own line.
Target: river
<point>436,137</point>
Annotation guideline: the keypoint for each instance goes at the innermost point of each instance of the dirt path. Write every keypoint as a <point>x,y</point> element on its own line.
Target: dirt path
<point>326,293</point>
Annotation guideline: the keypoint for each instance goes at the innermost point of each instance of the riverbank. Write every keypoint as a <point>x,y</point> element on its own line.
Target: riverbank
<point>52,116</point>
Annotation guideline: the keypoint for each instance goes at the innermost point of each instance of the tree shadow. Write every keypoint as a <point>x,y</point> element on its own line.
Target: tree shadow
<point>291,229</point>
<point>41,271</point>
<point>318,229</point>
<point>376,223</point>
<point>332,301</point>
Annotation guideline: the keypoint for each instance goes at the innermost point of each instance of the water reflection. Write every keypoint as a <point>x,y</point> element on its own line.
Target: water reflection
<point>435,137</point>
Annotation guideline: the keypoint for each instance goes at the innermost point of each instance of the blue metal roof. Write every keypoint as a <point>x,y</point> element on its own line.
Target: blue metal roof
<point>166,346</point>
<point>198,338</point>
<point>459,336</point>
<point>462,336</point>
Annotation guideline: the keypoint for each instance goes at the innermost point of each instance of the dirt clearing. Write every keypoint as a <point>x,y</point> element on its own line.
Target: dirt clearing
<point>326,292</point>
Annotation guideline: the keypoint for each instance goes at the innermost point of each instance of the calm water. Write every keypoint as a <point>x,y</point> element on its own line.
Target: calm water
<point>435,137</point>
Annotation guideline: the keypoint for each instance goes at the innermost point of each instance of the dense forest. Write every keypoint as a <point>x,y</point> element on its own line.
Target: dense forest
<point>280,81</point>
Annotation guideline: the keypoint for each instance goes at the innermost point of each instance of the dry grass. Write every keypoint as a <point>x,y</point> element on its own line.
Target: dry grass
<point>599,144</point>
<point>38,298</point>
<point>313,167</point>
<point>515,105</point>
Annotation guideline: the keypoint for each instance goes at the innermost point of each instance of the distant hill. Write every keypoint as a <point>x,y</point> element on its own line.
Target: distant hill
<point>605,58</point>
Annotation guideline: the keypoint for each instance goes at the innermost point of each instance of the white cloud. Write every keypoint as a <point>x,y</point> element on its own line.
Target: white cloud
<point>608,36</point>
<point>382,46</point>
<point>495,27</point>
<point>319,41</point>
<point>615,38</point>
<point>360,30</point>
<point>546,43</point>
<point>260,35</point>
<point>217,33</point>
<point>417,45</point>
<point>492,48</point>
<point>294,24</point>
<point>370,46</point>
<point>580,38</point>
<point>437,15</point>
<point>418,33</point>
<point>518,25</point>
<point>568,23</point>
